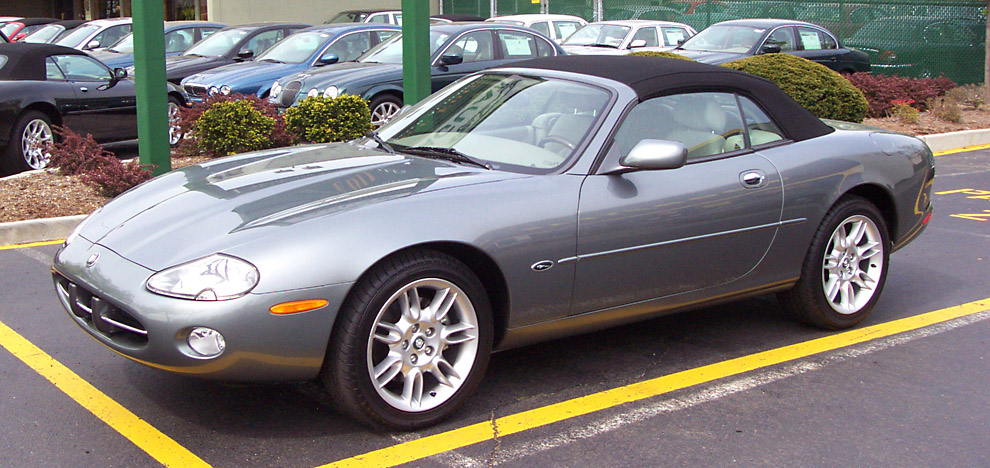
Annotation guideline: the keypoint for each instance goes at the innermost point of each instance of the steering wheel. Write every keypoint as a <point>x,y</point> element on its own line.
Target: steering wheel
<point>555,139</point>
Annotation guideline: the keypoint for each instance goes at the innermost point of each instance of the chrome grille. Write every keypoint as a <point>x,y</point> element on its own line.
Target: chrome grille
<point>289,93</point>
<point>195,89</point>
<point>99,315</point>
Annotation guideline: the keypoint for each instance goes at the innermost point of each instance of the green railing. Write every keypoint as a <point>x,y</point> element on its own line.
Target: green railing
<point>906,38</point>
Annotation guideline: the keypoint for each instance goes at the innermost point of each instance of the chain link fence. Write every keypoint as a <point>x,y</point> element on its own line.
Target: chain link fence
<point>906,38</point>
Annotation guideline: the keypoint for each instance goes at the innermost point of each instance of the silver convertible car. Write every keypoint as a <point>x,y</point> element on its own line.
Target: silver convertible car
<point>520,204</point>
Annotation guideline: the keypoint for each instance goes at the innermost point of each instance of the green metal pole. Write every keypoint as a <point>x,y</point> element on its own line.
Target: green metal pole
<point>152,94</point>
<point>415,50</point>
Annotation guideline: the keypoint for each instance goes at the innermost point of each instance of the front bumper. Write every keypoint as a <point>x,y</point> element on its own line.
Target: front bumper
<point>108,299</point>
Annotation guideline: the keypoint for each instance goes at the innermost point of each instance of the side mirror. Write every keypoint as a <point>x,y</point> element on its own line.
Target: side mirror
<point>770,49</point>
<point>245,54</point>
<point>655,155</point>
<point>451,59</point>
<point>119,73</point>
<point>637,43</point>
<point>92,45</point>
<point>680,42</point>
<point>328,59</point>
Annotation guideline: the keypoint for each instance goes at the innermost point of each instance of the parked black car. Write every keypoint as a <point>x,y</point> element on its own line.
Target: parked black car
<point>736,39</point>
<point>44,85</point>
<point>456,50</point>
<point>228,45</point>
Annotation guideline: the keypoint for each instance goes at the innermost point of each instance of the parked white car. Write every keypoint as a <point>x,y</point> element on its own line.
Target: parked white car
<point>623,37</point>
<point>556,27</point>
<point>97,34</point>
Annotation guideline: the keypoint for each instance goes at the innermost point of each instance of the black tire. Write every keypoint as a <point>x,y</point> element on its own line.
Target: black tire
<point>412,349</point>
<point>841,293</point>
<point>383,108</point>
<point>174,136</point>
<point>15,159</point>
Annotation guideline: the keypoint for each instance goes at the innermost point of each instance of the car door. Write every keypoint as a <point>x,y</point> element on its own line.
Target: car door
<point>259,42</point>
<point>650,37</point>
<point>109,36</point>
<point>350,46</point>
<point>476,50</point>
<point>819,46</point>
<point>649,234</point>
<point>104,107</point>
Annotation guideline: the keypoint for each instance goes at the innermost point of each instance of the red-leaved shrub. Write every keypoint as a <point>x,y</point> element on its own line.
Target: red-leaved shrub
<point>75,154</point>
<point>882,90</point>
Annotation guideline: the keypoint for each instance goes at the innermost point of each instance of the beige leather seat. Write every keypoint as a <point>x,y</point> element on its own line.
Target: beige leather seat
<point>697,123</point>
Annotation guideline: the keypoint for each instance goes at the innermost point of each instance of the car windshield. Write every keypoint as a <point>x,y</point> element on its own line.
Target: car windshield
<point>349,17</point>
<point>507,122</point>
<point>219,43</point>
<point>601,35</point>
<point>9,28</point>
<point>736,39</point>
<point>390,51</point>
<point>45,34</point>
<point>78,35</point>
<point>296,48</point>
<point>124,46</point>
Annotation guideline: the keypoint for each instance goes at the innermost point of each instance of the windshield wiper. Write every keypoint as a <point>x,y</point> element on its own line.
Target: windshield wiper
<point>449,154</point>
<point>600,44</point>
<point>381,141</point>
<point>271,60</point>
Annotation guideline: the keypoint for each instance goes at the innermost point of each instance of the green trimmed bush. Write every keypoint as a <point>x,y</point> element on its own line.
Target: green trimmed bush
<point>322,120</point>
<point>660,54</point>
<point>233,127</point>
<point>816,87</point>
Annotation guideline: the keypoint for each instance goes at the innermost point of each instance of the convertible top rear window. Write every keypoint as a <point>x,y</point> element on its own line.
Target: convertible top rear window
<point>3,61</point>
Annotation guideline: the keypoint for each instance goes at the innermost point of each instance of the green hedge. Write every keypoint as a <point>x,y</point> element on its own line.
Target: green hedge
<point>233,127</point>
<point>660,54</point>
<point>322,120</point>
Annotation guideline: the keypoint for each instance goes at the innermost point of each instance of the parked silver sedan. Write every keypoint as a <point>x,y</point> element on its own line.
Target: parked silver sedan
<point>521,204</point>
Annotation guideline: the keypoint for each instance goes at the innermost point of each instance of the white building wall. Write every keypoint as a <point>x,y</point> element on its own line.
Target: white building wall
<point>303,11</point>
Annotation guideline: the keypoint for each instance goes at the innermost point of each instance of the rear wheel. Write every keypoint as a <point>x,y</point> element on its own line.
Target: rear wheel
<point>411,343</point>
<point>26,147</point>
<point>845,267</point>
<point>383,108</point>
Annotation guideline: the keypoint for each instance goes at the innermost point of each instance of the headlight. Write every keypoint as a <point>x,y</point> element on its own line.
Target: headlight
<point>225,90</point>
<point>313,93</point>
<point>214,278</point>
<point>213,90</point>
<point>75,232</point>
<point>331,92</point>
<point>276,90</point>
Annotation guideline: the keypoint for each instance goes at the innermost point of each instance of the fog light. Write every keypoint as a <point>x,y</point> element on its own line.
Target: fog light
<point>206,341</point>
<point>313,93</point>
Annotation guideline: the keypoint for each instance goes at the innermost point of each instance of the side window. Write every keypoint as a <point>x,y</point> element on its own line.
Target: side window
<point>398,19</point>
<point>565,28</point>
<point>544,49</point>
<point>82,68</point>
<point>648,34</point>
<point>702,122</point>
<point>382,35</point>
<point>350,46</point>
<point>178,40</point>
<point>673,36</point>
<point>516,45</point>
<point>541,27</point>
<point>813,39</point>
<point>111,35</point>
<point>263,41</point>
<point>206,32</point>
<point>782,37</point>
<point>760,129</point>
<point>381,18</point>
<point>474,47</point>
<point>51,70</point>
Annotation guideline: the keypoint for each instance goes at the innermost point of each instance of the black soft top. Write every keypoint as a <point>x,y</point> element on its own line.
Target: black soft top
<point>26,61</point>
<point>653,76</point>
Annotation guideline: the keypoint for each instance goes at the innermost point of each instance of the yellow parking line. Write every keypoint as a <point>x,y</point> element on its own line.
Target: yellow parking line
<point>962,150</point>
<point>519,422</point>
<point>120,419</point>
<point>32,244</point>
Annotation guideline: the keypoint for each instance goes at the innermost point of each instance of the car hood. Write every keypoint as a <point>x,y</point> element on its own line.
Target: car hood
<point>245,74</point>
<point>342,74</point>
<point>589,50</point>
<point>114,59</point>
<point>711,58</point>
<point>207,208</point>
<point>180,66</point>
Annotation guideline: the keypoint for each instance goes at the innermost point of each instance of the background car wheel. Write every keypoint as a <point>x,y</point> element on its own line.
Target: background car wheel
<point>411,343</point>
<point>25,149</point>
<point>383,108</point>
<point>845,268</point>
<point>174,135</point>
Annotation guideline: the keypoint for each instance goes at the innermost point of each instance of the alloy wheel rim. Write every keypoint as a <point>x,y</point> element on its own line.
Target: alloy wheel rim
<point>36,134</point>
<point>422,345</point>
<point>173,123</point>
<point>853,264</point>
<point>383,113</point>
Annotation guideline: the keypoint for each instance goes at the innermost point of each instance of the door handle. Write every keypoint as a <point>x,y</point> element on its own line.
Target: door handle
<point>752,179</point>
<point>83,89</point>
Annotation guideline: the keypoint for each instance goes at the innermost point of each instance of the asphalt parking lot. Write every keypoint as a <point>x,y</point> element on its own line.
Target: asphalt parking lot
<point>735,385</point>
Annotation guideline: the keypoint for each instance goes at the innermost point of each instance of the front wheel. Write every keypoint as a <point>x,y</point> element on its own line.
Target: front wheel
<point>412,342</point>
<point>174,132</point>
<point>845,267</point>
<point>383,108</point>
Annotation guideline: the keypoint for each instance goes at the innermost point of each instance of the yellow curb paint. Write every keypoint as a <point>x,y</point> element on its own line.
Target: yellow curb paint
<point>962,150</point>
<point>32,244</point>
<point>519,422</point>
<point>156,444</point>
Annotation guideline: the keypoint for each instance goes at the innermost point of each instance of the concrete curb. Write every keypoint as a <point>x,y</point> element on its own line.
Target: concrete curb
<point>40,230</point>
